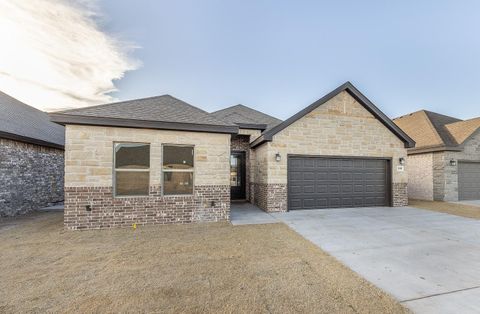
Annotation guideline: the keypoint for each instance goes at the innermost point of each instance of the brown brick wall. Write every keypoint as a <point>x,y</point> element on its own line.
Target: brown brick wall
<point>271,197</point>
<point>400,194</point>
<point>107,211</point>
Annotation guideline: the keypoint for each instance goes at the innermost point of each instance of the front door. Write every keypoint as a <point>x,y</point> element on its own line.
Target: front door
<point>237,175</point>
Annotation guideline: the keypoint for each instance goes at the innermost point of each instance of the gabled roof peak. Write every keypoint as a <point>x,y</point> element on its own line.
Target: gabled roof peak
<point>267,136</point>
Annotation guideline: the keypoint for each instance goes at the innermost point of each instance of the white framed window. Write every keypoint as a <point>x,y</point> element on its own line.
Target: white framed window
<point>131,169</point>
<point>178,169</point>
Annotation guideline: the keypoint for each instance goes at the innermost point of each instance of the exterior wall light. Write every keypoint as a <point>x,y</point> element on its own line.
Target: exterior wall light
<point>402,161</point>
<point>278,157</point>
<point>453,162</point>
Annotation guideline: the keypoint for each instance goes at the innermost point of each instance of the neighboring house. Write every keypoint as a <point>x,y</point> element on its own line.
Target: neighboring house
<point>445,164</point>
<point>161,160</point>
<point>31,158</point>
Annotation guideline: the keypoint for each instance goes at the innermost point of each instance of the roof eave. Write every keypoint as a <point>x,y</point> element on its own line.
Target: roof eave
<point>30,140</point>
<point>252,126</point>
<point>433,149</point>
<point>142,124</point>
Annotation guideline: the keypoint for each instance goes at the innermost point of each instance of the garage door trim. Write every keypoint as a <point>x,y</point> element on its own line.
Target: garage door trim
<point>388,170</point>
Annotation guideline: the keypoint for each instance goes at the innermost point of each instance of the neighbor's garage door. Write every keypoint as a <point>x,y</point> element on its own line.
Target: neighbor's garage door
<point>469,180</point>
<point>319,182</point>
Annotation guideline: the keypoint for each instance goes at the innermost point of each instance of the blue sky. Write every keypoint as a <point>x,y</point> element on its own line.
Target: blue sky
<point>280,56</point>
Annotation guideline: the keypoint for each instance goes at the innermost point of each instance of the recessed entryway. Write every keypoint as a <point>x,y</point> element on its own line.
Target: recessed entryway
<point>237,176</point>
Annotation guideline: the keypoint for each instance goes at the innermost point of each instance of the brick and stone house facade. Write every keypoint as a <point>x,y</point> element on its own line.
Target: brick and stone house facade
<point>445,164</point>
<point>160,160</point>
<point>31,158</point>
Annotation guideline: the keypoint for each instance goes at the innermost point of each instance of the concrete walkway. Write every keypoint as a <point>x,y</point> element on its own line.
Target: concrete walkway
<point>247,214</point>
<point>429,261</point>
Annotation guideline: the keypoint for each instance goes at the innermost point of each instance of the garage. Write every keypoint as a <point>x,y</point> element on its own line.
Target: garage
<point>468,180</point>
<point>337,182</point>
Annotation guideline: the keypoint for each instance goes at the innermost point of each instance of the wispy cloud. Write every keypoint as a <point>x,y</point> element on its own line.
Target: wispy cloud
<point>54,55</point>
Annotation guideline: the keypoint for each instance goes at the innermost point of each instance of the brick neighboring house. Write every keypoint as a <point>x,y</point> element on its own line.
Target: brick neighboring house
<point>31,158</point>
<point>445,164</point>
<point>161,160</point>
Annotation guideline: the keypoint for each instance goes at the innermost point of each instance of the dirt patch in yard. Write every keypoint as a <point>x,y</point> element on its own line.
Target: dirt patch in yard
<point>448,208</point>
<point>179,268</point>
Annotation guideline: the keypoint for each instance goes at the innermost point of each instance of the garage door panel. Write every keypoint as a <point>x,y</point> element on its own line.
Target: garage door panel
<point>468,180</point>
<point>309,189</point>
<point>322,189</point>
<point>333,189</point>
<point>296,176</point>
<point>322,175</point>
<point>321,202</point>
<point>337,182</point>
<point>309,176</point>
<point>358,188</point>
<point>308,203</point>
<point>347,188</point>
<point>334,202</point>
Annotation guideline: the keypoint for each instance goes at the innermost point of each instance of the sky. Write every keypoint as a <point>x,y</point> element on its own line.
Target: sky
<point>272,55</point>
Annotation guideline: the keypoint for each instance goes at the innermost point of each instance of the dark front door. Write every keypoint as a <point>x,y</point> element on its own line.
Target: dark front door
<point>237,175</point>
<point>322,182</point>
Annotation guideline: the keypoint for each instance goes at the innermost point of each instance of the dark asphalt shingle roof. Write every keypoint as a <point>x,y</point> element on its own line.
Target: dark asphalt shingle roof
<point>433,130</point>
<point>27,123</point>
<point>160,108</point>
<point>439,121</point>
<point>240,114</point>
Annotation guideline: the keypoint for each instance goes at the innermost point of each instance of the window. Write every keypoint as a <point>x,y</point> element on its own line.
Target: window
<point>132,169</point>
<point>177,170</point>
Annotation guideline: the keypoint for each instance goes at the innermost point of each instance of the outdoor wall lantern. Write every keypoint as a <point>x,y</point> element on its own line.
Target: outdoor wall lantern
<point>453,162</point>
<point>278,157</point>
<point>402,161</point>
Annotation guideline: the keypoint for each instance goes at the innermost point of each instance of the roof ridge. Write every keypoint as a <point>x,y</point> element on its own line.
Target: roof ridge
<point>114,103</point>
<point>442,115</point>
<point>462,121</point>
<point>409,114</point>
<point>430,124</point>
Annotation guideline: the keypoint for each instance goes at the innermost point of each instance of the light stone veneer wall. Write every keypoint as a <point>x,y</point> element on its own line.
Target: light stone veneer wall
<point>445,176</point>
<point>420,177</point>
<point>89,179</point>
<point>340,127</point>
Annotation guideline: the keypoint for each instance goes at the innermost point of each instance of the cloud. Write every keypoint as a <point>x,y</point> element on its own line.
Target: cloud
<point>55,56</point>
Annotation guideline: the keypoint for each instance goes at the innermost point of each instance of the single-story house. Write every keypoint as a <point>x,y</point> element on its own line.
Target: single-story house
<point>31,158</point>
<point>445,164</point>
<point>161,160</point>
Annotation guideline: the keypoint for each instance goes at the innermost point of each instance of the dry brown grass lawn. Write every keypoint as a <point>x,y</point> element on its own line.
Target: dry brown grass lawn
<point>179,268</point>
<point>448,208</point>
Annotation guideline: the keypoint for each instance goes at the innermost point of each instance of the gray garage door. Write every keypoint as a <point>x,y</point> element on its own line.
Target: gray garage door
<point>469,181</point>
<point>319,182</point>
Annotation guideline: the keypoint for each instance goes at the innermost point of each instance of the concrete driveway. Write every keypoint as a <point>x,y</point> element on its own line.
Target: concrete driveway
<point>429,261</point>
<point>472,203</point>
